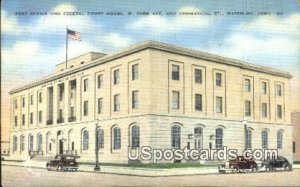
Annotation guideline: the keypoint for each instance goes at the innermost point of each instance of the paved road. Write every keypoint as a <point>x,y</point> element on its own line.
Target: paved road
<point>19,176</point>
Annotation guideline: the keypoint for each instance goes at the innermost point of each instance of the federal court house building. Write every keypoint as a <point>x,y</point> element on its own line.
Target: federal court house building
<point>151,94</point>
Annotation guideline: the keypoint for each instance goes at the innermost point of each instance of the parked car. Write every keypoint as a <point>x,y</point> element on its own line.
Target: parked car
<point>238,164</point>
<point>274,164</point>
<point>63,163</point>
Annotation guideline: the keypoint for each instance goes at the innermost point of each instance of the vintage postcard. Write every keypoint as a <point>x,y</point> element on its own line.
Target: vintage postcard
<point>150,93</point>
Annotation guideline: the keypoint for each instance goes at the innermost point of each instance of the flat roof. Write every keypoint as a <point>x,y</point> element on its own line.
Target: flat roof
<point>149,44</point>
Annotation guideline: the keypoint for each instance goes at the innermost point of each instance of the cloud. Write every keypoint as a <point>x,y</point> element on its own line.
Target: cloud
<point>116,40</point>
<point>9,24</point>
<point>164,24</point>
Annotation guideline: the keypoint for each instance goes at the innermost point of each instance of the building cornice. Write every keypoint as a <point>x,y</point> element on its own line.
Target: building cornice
<point>162,47</point>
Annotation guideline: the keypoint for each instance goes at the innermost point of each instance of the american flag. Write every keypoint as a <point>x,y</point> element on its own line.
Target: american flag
<point>73,34</point>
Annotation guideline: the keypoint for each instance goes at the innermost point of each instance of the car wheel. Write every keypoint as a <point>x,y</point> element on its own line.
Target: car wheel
<point>59,168</point>
<point>269,168</point>
<point>286,167</point>
<point>48,167</point>
<point>236,169</point>
<point>253,168</point>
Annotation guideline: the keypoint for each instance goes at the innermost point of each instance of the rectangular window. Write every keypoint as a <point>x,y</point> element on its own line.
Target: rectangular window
<point>264,87</point>
<point>247,85</point>
<point>116,76</point>
<point>116,102</point>
<point>40,97</point>
<point>135,99</point>
<point>23,119</point>
<point>40,116</point>
<point>279,111</point>
<point>60,114</point>
<point>117,138</point>
<point>85,85</point>
<point>264,110</point>
<point>72,113</point>
<point>16,120</point>
<point>16,103</point>
<point>100,81</point>
<point>100,100</point>
<point>85,108</point>
<point>198,102</point>
<point>61,92</point>
<point>31,99</point>
<point>219,105</point>
<point>135,72</point>
<point>218,79</point>
<point>175,72</point>
<point>247,108</point>
<point>175,103</point>
<point>198,76</point>
<point>31,118</point>
<point>278,90</point>
<point>23,102</point>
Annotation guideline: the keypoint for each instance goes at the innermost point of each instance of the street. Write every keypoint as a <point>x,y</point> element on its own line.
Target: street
<point>20,176</point>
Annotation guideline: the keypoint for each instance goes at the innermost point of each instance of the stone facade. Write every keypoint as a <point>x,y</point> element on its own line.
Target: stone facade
<point>136,96</point>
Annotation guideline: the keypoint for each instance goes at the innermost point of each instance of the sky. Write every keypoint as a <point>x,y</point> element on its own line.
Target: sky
<point>31,45</point>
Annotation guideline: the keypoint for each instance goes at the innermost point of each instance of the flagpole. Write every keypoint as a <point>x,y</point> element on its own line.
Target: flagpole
<point>66,47</point>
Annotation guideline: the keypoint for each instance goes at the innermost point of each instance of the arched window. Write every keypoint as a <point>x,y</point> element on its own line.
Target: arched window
<point>22,143</point>
<point>219,138</point>
<point>100,136</point>
<point>117,138</point>
<point>15,143</point>
<point>198,137</point>
<point>135,136</point>
<point>30,147</point>
<point>279,139</point>
<point>175,136</point>
<point>248,139</point>
<point>85,140</point>
<point>264,139</point>
<point>39,142</point>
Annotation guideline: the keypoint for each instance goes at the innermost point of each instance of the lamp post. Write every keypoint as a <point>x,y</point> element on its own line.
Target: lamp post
<point>245,122</point>
<point>97,167</point>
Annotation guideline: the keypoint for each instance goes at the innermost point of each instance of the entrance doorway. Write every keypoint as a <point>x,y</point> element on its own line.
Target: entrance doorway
<point>61,146</point>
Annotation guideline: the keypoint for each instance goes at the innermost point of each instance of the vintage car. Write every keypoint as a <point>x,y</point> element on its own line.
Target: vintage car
<point>273,164</point>
<point>239,164</point>
<point>63,163</point>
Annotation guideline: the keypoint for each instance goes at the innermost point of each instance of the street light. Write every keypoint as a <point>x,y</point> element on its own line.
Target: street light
<point>245,122</point>
<point>97,167</point>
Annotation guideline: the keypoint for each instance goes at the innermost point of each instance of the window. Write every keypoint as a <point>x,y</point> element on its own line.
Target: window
<point>23,119</point>
<point>198,138</point>
<point>264,110</point>
<point>135,99</point>
<point>279,111</point>
<point>248,139</point>
<point>117,138</point>
<point>135,136</point>
<point>85,108</point>
<point>247,85</point>
<point>279,139</point>
<point>85,139</point>
<point>264,87</point>
<point>100,104</point>
<point>15,143</point>
<point>264,138</point>
<point>39,142</point>
<point>219,105</point>
<point>116,76</point>
<point>22,144</point>
<point>16,103</point>
<point>176,136</point>
<point>61,92</point>
<point>100,81</point>
<point>40,97</point>
<point>219,138</point>
<point>50,147</point>
<point>23,102</point>
<point>218,79</point>
<point>135,72</point>
<point>72,146</point>
<point>100,136</point>
<point>30,148</point>
<point>175,72</point>
<point>175,103</point>
<point>72,113</point>
<point>198,76</point>
<point>16,121</point>
<point>247,108</point>
<point>278,90</point>
<point>31,117</point>
<point>40,116</point>
<point>116,102</point>
<point>198,102</point>
<point>85,84</point>
<point>31,99</point>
